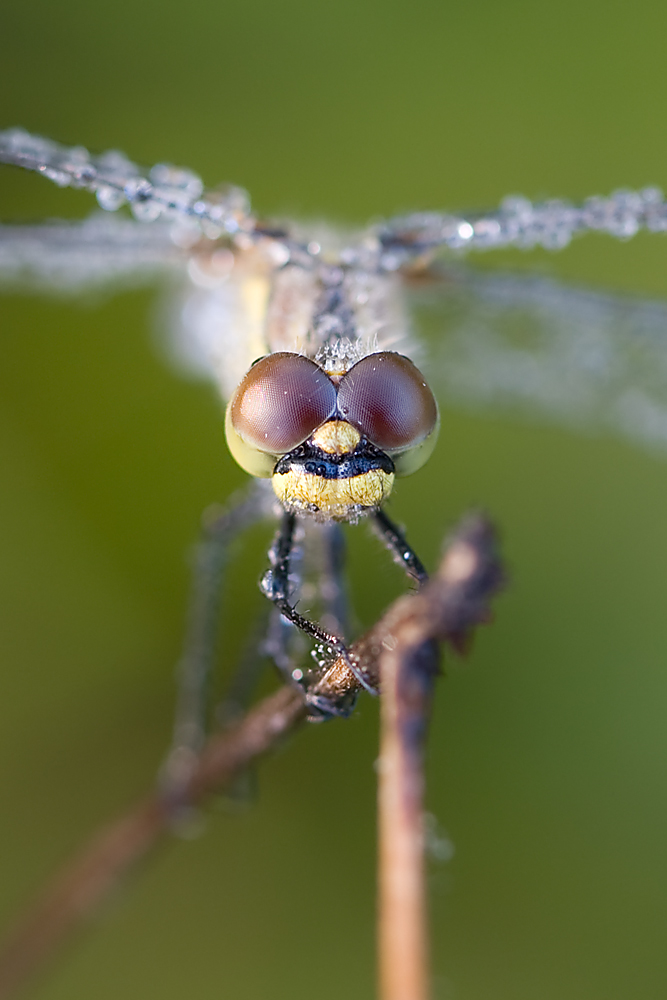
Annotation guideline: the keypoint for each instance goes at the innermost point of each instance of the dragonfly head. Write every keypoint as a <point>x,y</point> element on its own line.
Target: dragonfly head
<point>332,443</point>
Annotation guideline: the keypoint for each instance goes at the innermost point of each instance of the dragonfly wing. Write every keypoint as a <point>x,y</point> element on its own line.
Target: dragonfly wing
<point>587,360</point>
<point>161,192</point>
<point>518,222</point>
<point>72,257</point>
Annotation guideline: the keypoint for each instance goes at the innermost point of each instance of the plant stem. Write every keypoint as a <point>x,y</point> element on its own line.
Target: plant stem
<point>402,921</point>
<point>446,609</point>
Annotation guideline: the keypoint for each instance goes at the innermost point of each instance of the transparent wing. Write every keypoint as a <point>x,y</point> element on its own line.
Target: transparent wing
<point>163,191</point>
<point>71,257</point>
<point>519,222</point>
<point>583,359</point>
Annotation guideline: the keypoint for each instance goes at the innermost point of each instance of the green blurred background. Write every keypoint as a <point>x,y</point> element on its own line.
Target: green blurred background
<point>548,751</point>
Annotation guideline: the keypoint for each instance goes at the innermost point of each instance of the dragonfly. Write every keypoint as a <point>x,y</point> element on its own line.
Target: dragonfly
<point>306,333</point>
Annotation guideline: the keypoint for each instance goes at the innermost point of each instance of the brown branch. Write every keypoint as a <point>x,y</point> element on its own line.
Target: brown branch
<point>77,891</point>
<point>402,923</point>
<point>446,610</point>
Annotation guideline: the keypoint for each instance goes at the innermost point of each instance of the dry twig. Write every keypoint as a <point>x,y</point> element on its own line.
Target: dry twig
<point>446,609</point>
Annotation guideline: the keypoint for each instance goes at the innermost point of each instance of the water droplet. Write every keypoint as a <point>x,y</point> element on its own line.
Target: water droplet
<point>58,177</point>
<point>146,211</point>
<point>109,198</point>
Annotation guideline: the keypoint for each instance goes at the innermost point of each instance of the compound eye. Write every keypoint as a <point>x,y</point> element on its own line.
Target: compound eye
<point>280,402</point>
<point>387,399</point>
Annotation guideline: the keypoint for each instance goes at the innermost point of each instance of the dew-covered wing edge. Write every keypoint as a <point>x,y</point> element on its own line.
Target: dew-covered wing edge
<point>95,253</point>
<point>586,360</point>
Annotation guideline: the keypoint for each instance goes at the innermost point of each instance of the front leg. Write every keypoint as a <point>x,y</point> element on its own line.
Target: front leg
<point>403,553</point>
<point>275,584</point>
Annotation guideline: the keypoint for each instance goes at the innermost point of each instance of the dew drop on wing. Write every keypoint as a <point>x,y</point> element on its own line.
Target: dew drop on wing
<point>109,198</point>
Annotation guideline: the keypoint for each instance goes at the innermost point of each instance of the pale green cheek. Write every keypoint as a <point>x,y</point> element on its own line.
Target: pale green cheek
<point>258,463</point>
<point>408,461</point>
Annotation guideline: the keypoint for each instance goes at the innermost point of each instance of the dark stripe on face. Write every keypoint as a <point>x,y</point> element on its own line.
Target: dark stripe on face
<point>315,462</point>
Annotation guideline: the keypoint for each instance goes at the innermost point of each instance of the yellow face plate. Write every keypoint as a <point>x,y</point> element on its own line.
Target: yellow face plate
<point>340,499</point>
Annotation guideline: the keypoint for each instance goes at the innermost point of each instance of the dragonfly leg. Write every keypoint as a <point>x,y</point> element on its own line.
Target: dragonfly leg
<point>199,646</point>
<point>277,585</point>
<point>403,553</point>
